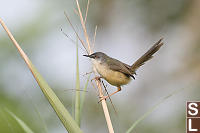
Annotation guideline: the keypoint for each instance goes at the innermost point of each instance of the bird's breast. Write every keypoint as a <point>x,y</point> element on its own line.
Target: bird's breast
<point>113,77</point>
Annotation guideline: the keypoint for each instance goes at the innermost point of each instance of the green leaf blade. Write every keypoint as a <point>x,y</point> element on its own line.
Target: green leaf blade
<point>23,125</point>
<point>151,110</point>
<point>77,97</point>
<point>57,105</point>
<point>83,94</point>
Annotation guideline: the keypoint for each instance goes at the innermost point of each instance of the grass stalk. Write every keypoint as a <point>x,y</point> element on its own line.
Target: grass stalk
<point>103,102</point>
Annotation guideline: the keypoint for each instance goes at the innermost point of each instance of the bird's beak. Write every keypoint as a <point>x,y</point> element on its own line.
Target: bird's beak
<point>90,56</point>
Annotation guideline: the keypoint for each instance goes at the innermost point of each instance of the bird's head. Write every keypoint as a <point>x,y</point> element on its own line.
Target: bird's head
<point>99,56</point>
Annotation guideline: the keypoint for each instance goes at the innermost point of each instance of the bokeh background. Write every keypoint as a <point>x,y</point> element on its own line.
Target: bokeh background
<point>126,29</point>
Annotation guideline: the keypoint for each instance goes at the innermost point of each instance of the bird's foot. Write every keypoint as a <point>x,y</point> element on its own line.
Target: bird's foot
<point>102,98</point>
<point>96,78</point>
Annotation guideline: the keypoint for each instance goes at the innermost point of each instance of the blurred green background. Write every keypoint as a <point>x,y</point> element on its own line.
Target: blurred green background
<point>126,29</point>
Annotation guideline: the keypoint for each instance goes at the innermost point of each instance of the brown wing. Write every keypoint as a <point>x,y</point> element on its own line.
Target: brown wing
<point>117,65</point>
<point>147,56</point>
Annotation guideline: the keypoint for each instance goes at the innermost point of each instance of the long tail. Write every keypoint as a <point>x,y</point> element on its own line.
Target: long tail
<point>147,56</point>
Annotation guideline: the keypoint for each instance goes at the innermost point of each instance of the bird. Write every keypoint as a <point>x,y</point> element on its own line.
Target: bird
<point>116,72</point>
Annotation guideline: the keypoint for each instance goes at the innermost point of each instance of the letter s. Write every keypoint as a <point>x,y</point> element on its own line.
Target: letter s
<point>193,108</point>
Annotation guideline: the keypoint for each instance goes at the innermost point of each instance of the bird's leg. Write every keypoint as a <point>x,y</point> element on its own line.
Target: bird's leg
<point>105,88</point>
<point>118,89</point>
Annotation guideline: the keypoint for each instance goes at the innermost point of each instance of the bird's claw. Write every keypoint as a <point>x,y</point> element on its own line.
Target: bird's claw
<point>96,78</point>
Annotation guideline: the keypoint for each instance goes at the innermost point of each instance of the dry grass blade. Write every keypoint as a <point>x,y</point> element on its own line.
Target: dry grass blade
<point>82,42</point>
<point>76,12</point>
<point>70,38</point>
<point>87,11</point>
<point>94,39</point>
<point>84,27</point>
<point>105,108</point>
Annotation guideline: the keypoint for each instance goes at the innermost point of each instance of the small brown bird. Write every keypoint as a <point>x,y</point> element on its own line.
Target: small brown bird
<point>116,72</point>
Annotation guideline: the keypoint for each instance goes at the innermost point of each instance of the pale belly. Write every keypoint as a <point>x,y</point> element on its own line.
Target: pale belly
<point>113,77</point>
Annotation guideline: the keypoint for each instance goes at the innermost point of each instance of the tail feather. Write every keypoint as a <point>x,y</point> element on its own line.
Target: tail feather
<point>147,56</point>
